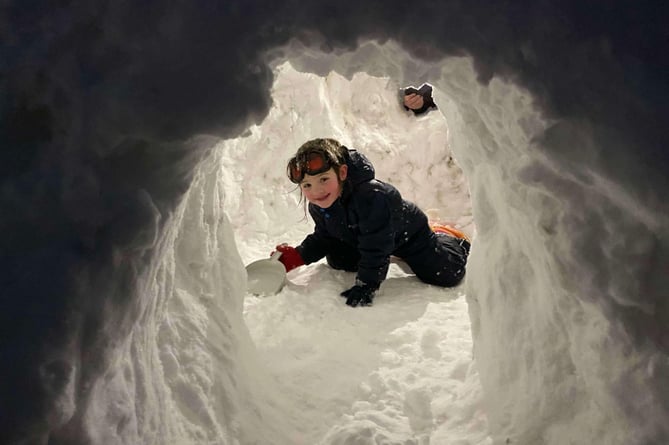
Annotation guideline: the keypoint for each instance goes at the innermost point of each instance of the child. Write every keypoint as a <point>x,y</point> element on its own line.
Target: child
<point>361,222</point>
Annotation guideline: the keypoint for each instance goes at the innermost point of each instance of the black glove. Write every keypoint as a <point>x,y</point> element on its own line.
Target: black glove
<point>360,294</point>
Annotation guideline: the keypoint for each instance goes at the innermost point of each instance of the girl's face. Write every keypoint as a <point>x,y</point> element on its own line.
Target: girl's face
<point>324,188</point>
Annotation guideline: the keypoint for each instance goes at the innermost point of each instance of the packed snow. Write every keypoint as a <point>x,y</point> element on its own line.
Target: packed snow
<point>140,173</point>
<point>402,372</point>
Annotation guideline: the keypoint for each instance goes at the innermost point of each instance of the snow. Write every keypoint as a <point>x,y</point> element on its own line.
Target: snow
<point>520,353</point>
<point>543,370</point>
<point>128,221</point>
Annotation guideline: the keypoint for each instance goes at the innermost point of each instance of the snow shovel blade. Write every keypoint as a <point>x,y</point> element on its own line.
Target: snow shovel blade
<point>266,277</point>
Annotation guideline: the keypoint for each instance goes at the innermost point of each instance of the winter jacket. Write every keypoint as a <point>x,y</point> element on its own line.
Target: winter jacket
<point>369,215</point>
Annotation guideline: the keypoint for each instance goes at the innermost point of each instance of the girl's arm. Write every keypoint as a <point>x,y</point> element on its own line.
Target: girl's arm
<point>314,246</point>
<point>377,236</point>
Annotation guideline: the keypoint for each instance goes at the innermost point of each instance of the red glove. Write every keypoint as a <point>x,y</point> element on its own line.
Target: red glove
<point>290,257</point>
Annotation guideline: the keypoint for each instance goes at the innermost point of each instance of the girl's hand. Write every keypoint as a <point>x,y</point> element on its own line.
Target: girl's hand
<point>290,257</point>
<point>360,295</point>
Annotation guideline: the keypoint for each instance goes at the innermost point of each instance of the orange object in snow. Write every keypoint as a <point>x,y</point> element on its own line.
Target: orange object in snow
<point>448,230</point>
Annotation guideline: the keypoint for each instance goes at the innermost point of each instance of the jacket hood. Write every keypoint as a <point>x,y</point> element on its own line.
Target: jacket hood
<point>360,169</point>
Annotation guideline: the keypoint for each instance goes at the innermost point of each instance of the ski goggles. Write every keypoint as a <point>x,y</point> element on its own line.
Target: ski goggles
<point>309,164</point>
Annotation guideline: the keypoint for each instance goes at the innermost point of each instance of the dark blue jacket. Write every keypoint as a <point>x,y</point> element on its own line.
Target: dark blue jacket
<point>369,215</point>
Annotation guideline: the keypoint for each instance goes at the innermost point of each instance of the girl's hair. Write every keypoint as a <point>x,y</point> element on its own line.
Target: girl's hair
<point>331,150</point>
<point>327,146</point>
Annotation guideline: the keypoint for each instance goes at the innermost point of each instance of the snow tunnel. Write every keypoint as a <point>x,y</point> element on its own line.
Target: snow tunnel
<point>123,286</point>
<point>415,349</point>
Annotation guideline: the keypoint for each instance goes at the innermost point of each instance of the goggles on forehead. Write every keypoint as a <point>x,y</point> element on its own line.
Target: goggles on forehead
<point>310,164</point>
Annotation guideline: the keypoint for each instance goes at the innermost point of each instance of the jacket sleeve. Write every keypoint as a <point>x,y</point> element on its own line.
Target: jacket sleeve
<point>376,239</point>
<point>314,246</point>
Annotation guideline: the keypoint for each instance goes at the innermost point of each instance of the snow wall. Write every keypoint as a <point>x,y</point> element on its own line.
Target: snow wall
<point>556,116</point>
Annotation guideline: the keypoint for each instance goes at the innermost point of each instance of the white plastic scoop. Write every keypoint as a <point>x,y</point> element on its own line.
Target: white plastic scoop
<point>266,277</point>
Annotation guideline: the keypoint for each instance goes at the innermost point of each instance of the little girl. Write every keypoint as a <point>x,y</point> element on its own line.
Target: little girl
<point>361,222</point>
